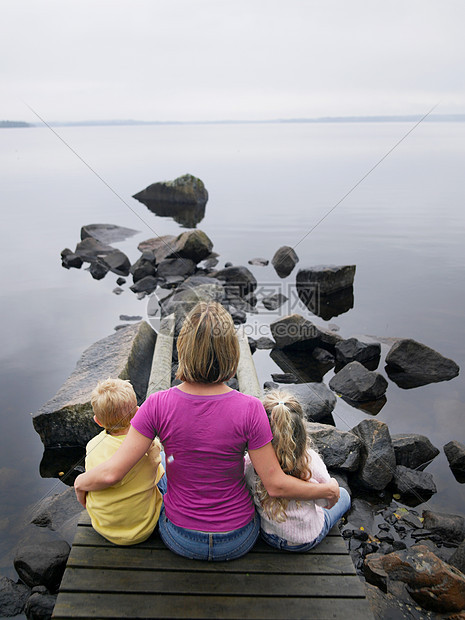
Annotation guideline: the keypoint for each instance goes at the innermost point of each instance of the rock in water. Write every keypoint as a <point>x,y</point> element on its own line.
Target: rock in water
<point>240,277</point>
<point>432,583</point>
<point>40,606</point>
<point>412,450</point>
<point>284,261</point>
<point>107,233</point>
<point>299,333</point>
<point>186,189</point>
<point>316,399</point>
<point>450,528</point>
<point>353,350</point>
<point>13,597</point>
<point>411,364</point>
<point>67,419</point>
<point>455,453</point>
<point>92,251</point>
<point>326,279</point>
<point>192,244</point>
<point>357,383</point>
<point>42,564</point>
<point>415,485</point>
<point>378,460</point>
<point>339,449</point>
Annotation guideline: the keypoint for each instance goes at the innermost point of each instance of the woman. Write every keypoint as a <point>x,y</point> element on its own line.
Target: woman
<point>205,428</point>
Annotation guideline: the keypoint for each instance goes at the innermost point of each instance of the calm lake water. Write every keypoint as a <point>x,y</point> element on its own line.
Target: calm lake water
<point>269,184</point>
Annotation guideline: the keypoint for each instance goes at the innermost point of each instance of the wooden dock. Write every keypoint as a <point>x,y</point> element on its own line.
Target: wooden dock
<point>147,580</point>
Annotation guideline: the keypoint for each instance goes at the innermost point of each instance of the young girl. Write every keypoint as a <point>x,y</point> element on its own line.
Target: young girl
<point>289,524</point>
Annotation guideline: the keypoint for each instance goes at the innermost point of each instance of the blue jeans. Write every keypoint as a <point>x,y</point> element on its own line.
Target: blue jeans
<point>204,546</point>
<point>332,516</point>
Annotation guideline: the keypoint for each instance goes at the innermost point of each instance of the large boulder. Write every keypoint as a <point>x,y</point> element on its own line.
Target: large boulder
<point>357,383</point>
<point>413,450</point>
<point>411,364</point>
<point>42,564</point>
<point>158,248</point>
<point>455,453</point>
<point>450,528</point>
<point>299,333</point>
<point>67,419</point>
<point>92,251</point>
<point>353,350</point>
<point>457,559</point>
<point>182,300</point>
<point>415,487</point>
<point>378,460</point>
<point>192,244</point>
<point>284,261</point>
<point>308,366</point>
<point>186,189</point>
<point>107,233</point>
<point>326,279</point>
<point>175,267</point>
<point>316,400</point>
<point>432,583</point>
<point>339,450</point>
<point>40,605</point>
<point>239,277</point>
<point>13,597</point>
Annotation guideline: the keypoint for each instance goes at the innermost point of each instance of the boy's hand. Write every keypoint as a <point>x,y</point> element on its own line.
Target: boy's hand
<point>80,494</point>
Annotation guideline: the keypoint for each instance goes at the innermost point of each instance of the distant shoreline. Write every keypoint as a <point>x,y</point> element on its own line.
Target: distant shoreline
<point>435,118</point>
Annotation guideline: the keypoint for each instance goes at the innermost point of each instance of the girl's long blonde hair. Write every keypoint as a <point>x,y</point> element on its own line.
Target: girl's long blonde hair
<point>290,442</point>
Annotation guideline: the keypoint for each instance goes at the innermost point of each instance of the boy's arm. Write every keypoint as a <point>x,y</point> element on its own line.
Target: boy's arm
<point>105,475</point>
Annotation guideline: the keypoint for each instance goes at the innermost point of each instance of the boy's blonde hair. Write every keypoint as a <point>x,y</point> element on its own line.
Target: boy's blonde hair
<point>114,403</point>
<point>208,349</point>
<point>290,442</point>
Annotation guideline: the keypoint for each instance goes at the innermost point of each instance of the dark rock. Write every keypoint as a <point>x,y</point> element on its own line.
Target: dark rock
<point>142,268</point>
<point>299,333</point>
<point>357,383</point>
<point>325,306</point>
<point>316,400</point>
<point>13,597</point>
<point>450,528</point>
<point>63,463</point>
<point>259,262</point>
<point>301,363</point>
<point>170,282</point>
<point>457,559</point>
<point>98,270</point>
<point>40,606</point>
<point>90,250</point>
<point>361,514</point>
<point>38,564</point>
<point>117,290</point>
<point>412,450</point>
<point>273,302</point>
<point>159,247</point>
<point>265,343</point>
<point>326,279</point>
<point>228,264</point>
<point>339,449</point>
<point>252,344</point>
<point>67,419</point>
<point>353,350</point>
<point>409,482</point>
<point>285,377</point>
<point>455,453</point>
<point>120,281</point>
<point>184,299</point>
<point>270,385</point>
<point>176,267</point>
<point>238,316</point>
<point>239,276</point>
<point>378,460</point>
<point>107,233</point>
<point>387,606</point>
<point>251,299</point>
<point>411,364</point>
<point>128,317</point>
<point>284,261</point>
<point>373,407</point>
<point>194,245</point>
<point>145,285</point>
<point>186,189</point>
<point>430,582</point>
<point>70,259</point>
<point>322,356</point>
<point>55,510</point>
<point>341,480</point>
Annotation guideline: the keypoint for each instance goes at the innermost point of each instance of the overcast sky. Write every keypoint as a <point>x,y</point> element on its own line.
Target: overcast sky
<point>230,59</point>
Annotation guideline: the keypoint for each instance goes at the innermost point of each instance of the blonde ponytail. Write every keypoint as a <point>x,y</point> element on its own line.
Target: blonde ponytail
<point>290,443</point>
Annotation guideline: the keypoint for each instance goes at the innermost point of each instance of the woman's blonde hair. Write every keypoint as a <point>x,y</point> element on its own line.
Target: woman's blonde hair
<point>290,442</point>
<point>114,403</point>
<point>208,349</point>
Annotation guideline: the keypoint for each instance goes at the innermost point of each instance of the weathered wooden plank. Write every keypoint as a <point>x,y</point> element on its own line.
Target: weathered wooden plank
<point>92,605</point>
<point>279,563</point>
<point>212,583</point>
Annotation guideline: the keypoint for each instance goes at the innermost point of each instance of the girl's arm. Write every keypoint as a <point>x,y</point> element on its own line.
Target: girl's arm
<point>278,484</point>
<point>132,449</point>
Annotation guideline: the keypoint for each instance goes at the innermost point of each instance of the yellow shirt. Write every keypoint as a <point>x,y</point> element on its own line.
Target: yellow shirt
<point>127,512</point>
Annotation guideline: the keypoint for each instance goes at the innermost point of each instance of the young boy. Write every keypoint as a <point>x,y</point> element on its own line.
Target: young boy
<point>127,512</point>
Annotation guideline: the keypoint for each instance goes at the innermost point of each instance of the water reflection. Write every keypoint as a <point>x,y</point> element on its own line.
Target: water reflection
<point>326,306</point>
<point>373,407</point>
<point>301,363</point>
<point>188,216</point>
<point>63,463</point>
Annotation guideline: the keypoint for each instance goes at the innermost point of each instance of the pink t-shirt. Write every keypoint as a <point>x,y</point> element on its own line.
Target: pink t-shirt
<point>204,438</point>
